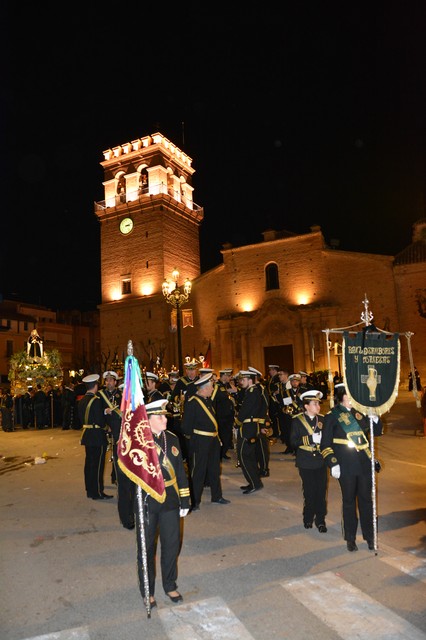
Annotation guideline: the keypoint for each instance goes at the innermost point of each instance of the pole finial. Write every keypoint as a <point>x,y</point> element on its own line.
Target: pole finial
<point>130,348</point>
<point>366,315</point>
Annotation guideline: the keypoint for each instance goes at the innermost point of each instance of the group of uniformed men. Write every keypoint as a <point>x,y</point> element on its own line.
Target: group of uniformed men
<point>210,416</point>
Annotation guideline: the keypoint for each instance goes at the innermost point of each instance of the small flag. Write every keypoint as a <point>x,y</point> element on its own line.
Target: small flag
<point>136,450</point>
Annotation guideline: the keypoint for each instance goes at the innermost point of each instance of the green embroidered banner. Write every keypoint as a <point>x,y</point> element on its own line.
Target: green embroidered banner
<point>371,366</point>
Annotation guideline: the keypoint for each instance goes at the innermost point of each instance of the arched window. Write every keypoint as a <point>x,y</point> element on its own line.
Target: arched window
<point>272,280</point>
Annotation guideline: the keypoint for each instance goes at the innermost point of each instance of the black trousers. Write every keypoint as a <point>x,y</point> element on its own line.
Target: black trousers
<point>262,453</point>
<point>125,493</point>
<point>225,434</point>
<point>247,457</point>
<point>94,471</point>
<point>165,525</point>
<point>205,463</point>
<point>286,429</point>
<point>314,489</point>
<point>356,496</point>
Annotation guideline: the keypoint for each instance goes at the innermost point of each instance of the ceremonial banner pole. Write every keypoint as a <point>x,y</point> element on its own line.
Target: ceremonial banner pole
<point>367,317</point>
<point>137,455</point>
<point>409,335</point>
<point>371,366</point>
<point>371,369</point>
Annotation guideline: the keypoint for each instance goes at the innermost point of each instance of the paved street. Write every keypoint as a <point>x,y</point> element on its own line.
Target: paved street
<point>247,570</point>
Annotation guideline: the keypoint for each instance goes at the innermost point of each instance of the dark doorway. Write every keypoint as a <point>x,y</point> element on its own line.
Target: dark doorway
<point>281,355</point>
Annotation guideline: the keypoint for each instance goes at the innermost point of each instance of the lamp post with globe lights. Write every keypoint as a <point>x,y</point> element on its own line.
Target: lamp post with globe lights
<point>177,295</point>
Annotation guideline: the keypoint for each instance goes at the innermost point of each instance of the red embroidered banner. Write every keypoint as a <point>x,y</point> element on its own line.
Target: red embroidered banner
<point>137,454</point>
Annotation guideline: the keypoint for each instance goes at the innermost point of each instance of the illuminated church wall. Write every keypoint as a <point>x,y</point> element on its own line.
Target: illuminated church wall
<point>319,287</point>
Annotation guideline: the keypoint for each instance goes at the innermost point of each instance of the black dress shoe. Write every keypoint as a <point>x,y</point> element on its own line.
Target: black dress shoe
<point>265,474</point>
<point>196,507</point>
<point>129,525</point>
<point>308,525</point>
<point>177,598</point>
<point>253,489</point>
<point>152,602</point>
<point>245,486</point>
<point>322,528</point>
<point>221,501</point>
<point>370,544</point>
<point>105,497</point>
<point>351,545</point>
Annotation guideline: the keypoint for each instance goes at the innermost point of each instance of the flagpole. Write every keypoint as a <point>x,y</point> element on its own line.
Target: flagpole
<point>141,529</point>
<point>139,505</point>
<point>367,317</point>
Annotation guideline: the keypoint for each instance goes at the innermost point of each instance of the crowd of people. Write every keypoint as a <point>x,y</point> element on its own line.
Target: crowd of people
<point>40,408</point>
<point>196,421</point>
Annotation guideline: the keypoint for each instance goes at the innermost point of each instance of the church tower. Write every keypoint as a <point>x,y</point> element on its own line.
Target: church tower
<point>149,227</point>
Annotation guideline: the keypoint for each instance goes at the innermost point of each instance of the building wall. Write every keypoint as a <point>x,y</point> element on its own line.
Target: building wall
<point>319,288</point>
<point>410,282</point>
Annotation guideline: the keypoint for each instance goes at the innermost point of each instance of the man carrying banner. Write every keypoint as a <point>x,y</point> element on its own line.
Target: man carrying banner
<point>345,449</point>
<point>164,518</point>
<point>151,457</point>
<point>371,369</point>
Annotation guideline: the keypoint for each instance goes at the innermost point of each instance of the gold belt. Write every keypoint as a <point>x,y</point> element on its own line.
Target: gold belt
<point>205,433</point>
<point>259,420</point>
<point>92,426</point>
<point>349,443</point>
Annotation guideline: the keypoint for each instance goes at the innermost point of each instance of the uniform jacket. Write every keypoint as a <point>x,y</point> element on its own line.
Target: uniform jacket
<point>223,403</point>
<point>199,415</point>
<point>308,454</point>
<point>112,399</point>
<point>253,413</point>
<point>94,423</point>
<point>174,474</point>
<point>345,440</point>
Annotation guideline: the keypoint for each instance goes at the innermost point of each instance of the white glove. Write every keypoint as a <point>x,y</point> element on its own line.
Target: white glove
<point>316,437</point>
<point>183,512</point>
<point>335,471</point>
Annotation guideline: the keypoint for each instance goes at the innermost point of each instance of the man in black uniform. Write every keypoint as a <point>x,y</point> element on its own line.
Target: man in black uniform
<point>262,443</point>
<point>305,384</point>
<point>272,387</point>
<point>79,390</point>
<point>186,381</point>
<point>151,392</point>
<point>200,424</point>
<point>346,450</point>
<point>94,438</point>
<point>292,405</point>
<point>251,416</point>
<point>162,519</point>
<point>68,401</point>
<point>305,438</point>
<point>225,411</point>
<point>111,398</point>
<point>183,388</point>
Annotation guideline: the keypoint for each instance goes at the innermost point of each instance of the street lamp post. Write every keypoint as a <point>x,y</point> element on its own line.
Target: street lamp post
<point>177,297</point>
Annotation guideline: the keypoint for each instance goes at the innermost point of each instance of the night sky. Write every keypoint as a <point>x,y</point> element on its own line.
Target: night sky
<point>312,116</point>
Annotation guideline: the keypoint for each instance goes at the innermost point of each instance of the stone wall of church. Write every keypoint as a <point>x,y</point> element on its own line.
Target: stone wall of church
<point>410,286</point>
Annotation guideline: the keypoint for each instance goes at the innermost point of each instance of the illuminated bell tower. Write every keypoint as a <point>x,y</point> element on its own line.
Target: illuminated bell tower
<point>149,227</point>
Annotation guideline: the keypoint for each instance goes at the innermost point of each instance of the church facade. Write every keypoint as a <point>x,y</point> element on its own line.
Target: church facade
<point>273,301</point>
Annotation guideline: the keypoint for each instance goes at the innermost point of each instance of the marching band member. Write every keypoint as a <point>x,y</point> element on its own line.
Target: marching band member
<point>345,449</point>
